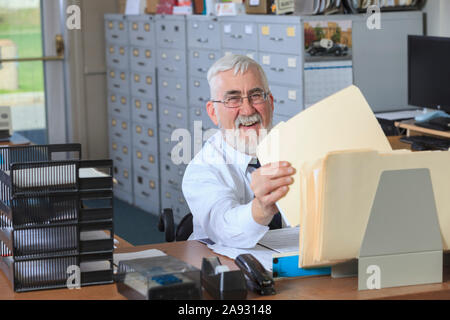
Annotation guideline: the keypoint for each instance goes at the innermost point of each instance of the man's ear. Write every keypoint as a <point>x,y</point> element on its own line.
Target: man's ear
<point>271,101</point>
<point>212,112</point>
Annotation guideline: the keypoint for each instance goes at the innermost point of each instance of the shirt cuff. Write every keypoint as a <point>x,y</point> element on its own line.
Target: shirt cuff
<point>251,226</point>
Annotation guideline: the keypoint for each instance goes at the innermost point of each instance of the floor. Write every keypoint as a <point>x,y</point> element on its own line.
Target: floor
<point>135,225</point>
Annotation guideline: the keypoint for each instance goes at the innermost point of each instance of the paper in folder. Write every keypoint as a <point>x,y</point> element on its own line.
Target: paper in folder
<point>339,158</point>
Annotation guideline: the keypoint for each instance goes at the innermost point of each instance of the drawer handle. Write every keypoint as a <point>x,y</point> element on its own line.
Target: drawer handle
<point>201,70</point>
<point>142,116</point>
<point>116,86</point>
<point>170,126</point>
<point>117,110</point>
<point>276,101</point>
<point>205,40</point>
<point>171,98</point>
<point>142,91</point>
<point>118,134</point>
<point>168,41</point>
<point>119,158</point>
<point>115,36</point>
<point>144,168</point>
<point>201,99</point>
<point>169,69</point>
<point>119,182</point>
<point>236,36</point>
<point>144,142</point>
<point>145,194</point>
<point>141,64</point>
<point>276,39</point>
<point>277,69</point>
<point>140,38</point>
<point>116,61</point>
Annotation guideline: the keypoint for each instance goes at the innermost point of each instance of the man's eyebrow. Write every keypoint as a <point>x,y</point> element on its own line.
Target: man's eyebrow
<point>231,92</point>
<point>254,90</point>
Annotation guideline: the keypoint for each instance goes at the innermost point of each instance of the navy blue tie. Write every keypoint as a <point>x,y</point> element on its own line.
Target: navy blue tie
<point>276,220</point>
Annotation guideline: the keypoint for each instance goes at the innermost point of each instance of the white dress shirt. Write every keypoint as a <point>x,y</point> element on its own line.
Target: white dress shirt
<point>216,186</point>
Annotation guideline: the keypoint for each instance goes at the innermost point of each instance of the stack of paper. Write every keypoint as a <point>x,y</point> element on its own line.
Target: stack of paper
<point>339,151</point>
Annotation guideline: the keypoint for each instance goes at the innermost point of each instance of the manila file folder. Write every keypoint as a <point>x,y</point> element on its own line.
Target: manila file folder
<point>343,121</point>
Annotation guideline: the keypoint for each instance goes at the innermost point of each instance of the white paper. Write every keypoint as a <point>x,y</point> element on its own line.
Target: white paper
<point>292,62</point>
<point>281,240</point>
<point>399,115</point>
<point>292,95</point>
<point>135,7</point>
<point>266,59</point>
<point>248,29</point>
<point>262,254</point>
<point>227,28</point>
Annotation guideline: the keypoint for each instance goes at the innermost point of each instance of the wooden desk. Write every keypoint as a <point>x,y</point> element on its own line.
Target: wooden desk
<point>412,129</point>
<point>320,287</point>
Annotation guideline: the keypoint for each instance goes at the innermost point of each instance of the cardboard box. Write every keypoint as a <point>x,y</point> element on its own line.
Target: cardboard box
<point>258,6</point>
<point>151,6</point>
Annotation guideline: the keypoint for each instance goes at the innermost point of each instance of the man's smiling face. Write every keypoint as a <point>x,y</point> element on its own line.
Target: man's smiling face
<point>249,118</point>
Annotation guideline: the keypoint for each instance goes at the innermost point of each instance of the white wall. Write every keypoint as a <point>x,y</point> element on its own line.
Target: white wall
<point>437,18</point>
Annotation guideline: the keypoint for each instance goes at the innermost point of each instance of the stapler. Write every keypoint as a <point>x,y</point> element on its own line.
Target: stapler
<point>258,278</point>
<point>220,282</point>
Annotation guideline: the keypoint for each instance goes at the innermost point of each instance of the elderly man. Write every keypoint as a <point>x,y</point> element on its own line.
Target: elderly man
<point>231,199</point>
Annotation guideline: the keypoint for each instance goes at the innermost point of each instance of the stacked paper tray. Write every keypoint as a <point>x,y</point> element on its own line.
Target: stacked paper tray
<point>54,215</point>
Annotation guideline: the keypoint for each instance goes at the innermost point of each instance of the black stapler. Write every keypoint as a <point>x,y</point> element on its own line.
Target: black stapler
<point>258,279</point>
<point>221,283</point>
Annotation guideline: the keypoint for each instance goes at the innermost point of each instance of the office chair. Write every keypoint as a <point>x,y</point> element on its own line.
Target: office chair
<point>166,224</point>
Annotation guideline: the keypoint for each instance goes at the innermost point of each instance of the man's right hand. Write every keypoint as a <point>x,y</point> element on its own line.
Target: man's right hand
<point>269,184</point>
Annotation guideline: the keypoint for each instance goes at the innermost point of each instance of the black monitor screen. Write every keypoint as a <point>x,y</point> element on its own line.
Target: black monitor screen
<point>429,72</point>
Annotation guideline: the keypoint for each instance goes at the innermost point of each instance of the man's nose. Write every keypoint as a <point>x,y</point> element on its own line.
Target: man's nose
<point>246,108</point>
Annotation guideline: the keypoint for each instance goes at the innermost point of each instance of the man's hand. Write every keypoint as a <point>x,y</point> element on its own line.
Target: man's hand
<point>269,184</point>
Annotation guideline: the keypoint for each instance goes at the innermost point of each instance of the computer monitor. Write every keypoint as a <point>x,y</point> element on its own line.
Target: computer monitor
<point>429,72</point>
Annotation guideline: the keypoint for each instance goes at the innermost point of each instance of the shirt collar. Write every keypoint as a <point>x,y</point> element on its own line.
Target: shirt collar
<point>233,156</point>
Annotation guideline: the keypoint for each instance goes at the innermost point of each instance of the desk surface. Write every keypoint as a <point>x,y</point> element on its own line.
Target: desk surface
<point>411,127</point>
<point>16,140</point>
<point>319,287</point>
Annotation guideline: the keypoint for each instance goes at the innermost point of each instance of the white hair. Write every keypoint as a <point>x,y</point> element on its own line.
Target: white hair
<point>240,64</point>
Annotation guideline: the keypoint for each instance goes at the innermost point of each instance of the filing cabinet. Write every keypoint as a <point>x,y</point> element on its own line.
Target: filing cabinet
<point>203,32</point>
<point>145,135</point>
<point>120,153</point>
<point>144,110</point>
<point>147,192</point>
<point>200,115</point>
<point>172,90</point>
<point>288,100</point>
<point>117,56</point>
<point>118,80</point>
<point>200,61</point>
<point>172,62</point>
<point>171,32</point>
<point>146,161</point>
<point>143,84</point>
<point>123,182</point>
<point>120,128</point>
<point>171,118</point>
<point>281,68</point>
<point>249,53</point>
<point>238,33</point>
<point>198,91</point>
<point>282,37</point>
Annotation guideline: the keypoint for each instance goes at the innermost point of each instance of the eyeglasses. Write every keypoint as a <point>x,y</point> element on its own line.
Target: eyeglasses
<point>237,101</point>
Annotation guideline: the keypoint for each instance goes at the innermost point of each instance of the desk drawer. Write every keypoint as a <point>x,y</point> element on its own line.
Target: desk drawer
<point>144,110</point>
<point>142,60</point>
<point>171,32</point>
<point>200,114</point>
<point>116,29</point>
<point>171,174</point>
<point>120,152</point>
<point>249,53</point>
<point>145,135</point>
<point>143,85</point>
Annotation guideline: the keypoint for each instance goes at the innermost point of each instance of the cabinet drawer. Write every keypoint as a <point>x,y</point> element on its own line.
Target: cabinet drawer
<point>171,174</point>
<point>118,104</point>
<point>171,118</point>
<point>203,34</point>
<point>143,110</point>
<point>141,30</point>
<point>117,56</point>
<point>198,91</point>
<point>118,80</point>
<point>200,61</point>
<point>142,59</point>
<point>280,68</point>
<point>172,91</point>
<point>145,135</point>
<point>120,129</point>
<point>172,62</point>
<point>122,178</point>
<point>288,101</point>
<point>282,38</point>
<point>143,85</point>
<point>171,33</point>
<point>116,29</point>
<point>145,160</point>
<point>120,152</point>
<point>239,35</point>
<point>201,115</point>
